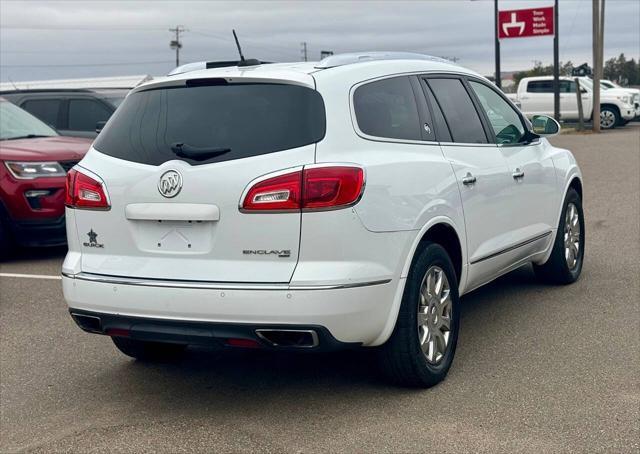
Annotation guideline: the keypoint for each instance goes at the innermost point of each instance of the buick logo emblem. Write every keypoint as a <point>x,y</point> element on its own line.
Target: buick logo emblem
<point>170,183</point>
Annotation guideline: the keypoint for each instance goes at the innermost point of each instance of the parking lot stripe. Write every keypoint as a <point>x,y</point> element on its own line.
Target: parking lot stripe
<point>31,276</point>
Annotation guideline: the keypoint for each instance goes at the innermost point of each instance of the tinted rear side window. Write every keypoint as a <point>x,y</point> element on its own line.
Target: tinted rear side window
<point>387,108</point>
<point>45,109</point>
<point>540,86</point>
<point>248,119</point>
<point>441,124</point>
<point>459,111</point>
<point>85,113</point>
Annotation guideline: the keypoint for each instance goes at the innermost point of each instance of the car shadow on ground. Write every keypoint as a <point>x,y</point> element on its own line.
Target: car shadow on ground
<point>34,253</point>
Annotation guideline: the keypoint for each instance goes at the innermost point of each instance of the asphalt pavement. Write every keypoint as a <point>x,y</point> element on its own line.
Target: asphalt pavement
<point>538,368</point>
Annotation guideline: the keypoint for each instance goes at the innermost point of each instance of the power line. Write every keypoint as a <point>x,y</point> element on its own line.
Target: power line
<point>82,29</point>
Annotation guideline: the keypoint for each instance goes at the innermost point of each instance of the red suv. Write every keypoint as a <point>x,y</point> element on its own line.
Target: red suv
<point>34,160</point>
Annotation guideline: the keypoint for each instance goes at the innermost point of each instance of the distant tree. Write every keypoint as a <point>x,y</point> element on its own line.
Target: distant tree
<point>631,72</point>
<point>621,70</point>
<point>566,68</point>
<point>540,70</point>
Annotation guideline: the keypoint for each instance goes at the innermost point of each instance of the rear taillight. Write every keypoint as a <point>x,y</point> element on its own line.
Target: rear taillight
<point>312,188</point>
<point>279,193</point>
<point>331,187</point>
<point>82,191</point>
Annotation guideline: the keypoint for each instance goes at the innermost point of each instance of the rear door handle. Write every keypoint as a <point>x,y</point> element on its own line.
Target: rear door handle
<point>469,179</point>
<point>517,174</point>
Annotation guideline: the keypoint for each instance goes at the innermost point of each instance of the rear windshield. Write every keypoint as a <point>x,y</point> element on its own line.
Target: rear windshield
<point>239,120</point>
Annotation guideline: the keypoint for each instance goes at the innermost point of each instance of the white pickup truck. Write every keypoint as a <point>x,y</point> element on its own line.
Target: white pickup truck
<point>535,97</point>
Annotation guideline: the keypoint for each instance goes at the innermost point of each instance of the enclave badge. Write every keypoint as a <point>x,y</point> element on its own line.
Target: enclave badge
<point>170,184</point>
<point>93,240</point>
<point>280,253</point>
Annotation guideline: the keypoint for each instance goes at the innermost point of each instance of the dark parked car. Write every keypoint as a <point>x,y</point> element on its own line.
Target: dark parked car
<point>77,113</point>
<point>34,161</point>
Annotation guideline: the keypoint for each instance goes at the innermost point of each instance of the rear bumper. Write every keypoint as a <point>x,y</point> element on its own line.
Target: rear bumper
<point>350,314</point>
<point>202,333</point>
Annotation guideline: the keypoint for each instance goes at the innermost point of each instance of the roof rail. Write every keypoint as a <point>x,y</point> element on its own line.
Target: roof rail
<point>358,57</point>
<point>209,65</point>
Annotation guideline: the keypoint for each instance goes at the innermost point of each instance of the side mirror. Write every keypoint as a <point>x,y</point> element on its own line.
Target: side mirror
<point>100,126</point>
<point>545,126</point>
<point>583,90</point>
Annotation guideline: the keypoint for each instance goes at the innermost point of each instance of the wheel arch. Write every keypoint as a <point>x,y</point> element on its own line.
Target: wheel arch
<point>575,183</point>
<point>446,236</point>
<point>443,231</point>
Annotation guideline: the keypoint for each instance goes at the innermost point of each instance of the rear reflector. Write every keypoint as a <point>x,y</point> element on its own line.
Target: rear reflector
<point>313,188</point>
<point>82,191</point>
<point>244,343</point>
<point>119,332</point>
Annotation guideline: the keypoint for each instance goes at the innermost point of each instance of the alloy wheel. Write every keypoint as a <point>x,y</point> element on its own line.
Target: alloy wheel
<point>572,236</point>
<point>607,119</point>
<point>434,315</point>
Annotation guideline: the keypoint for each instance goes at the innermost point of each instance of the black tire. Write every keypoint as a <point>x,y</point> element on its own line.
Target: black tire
<point>401,357</point>
<point>6,247</point>
<point>616,117</point>
<point>149,351</point>
<point>556,270</point>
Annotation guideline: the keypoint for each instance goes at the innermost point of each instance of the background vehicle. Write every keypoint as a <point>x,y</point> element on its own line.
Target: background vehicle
<point>72,112</point>
<point>371,191</point>
<point>34,160</point>
<point>535,95</point>
<point>635,93</point>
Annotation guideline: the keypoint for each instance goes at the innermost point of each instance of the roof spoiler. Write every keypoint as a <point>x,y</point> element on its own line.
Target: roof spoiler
<point>215,64</point>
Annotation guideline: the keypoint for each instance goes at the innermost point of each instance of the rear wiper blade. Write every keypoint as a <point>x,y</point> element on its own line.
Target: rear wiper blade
<point>196,153</point>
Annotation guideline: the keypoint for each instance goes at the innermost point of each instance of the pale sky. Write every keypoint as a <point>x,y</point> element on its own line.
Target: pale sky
<point>90,38</point>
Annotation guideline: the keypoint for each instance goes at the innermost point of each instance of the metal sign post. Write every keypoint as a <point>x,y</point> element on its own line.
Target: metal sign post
<point>497,44</point>
<point>556,67</point>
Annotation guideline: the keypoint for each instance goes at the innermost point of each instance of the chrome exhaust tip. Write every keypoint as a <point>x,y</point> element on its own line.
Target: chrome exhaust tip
<point>291,338</point>
<point>88,323</point>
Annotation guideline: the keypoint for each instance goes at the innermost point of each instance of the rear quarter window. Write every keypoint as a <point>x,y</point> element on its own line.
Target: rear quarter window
<point>249,119</point>
<point>387,108</point>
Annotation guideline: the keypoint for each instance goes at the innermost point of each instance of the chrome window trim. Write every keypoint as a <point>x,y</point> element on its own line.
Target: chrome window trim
<point>354,120</point>
<point>206,285</point>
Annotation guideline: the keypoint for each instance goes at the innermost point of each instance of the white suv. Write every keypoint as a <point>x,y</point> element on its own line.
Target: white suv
<point>314,206</point>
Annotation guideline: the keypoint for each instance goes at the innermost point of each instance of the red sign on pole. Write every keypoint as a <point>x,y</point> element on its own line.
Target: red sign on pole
<point>524,23</point>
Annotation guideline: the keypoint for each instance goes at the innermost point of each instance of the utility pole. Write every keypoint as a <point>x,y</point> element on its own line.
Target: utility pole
<point>176,43</point>
<point>303,50</point>
<point>556,64</point>
<point>497,44</point>
<point>601,39</point>
<point>595,18</point>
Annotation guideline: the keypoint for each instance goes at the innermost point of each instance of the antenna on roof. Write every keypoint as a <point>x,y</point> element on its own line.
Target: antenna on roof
<point>14,85</point>
<point>243,61</point>
<point>238,45</point>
